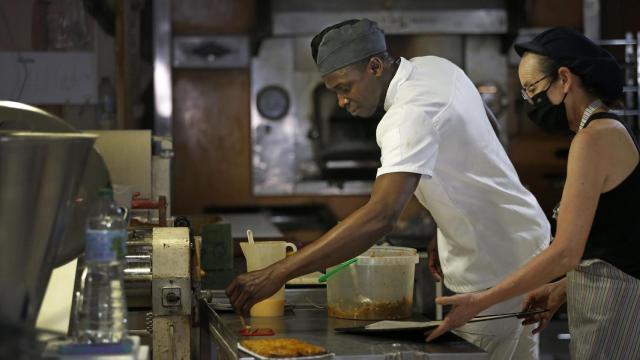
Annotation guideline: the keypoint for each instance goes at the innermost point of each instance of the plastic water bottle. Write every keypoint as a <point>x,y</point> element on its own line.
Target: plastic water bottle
<point>102,310</point>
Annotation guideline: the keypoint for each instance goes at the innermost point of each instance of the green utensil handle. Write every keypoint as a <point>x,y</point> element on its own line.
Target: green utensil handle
<point>338,268</point>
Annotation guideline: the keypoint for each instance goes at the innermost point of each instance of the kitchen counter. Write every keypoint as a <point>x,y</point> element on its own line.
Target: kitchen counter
<point>310,323</point>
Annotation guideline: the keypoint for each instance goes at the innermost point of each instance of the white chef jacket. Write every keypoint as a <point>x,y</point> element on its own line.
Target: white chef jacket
<point>435,125</point>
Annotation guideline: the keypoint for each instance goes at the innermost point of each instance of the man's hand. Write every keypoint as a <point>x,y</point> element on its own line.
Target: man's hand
<point>465,308</point>
<point>434,260</point>
<point>249,288</point>
<point>550,296</point>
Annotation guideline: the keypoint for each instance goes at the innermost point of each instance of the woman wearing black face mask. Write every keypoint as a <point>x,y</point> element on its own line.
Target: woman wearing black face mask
<point>540,109</point>
<point>569,83</point>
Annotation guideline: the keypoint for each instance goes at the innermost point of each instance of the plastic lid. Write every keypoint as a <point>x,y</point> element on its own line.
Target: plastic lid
<point>388,255</point>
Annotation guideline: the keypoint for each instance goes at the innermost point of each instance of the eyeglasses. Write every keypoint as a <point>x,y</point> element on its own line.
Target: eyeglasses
<point>525,90</point>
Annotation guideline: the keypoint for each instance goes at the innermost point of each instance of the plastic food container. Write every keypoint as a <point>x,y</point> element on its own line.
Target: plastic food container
<point>378,286</point>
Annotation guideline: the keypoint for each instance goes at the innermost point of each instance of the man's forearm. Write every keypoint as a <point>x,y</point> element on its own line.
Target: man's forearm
<point>350,238</point>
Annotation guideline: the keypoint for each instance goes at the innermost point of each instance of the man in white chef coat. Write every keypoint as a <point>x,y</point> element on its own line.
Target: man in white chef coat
<point>437,144</point>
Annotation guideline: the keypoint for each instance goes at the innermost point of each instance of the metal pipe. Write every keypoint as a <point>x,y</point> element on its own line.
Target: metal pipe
<point>163,126</point>
<point>637,62</point>
<point>137,272</point>
<point>137,258</point>
<point>591,18</point>
<point>138,243</point>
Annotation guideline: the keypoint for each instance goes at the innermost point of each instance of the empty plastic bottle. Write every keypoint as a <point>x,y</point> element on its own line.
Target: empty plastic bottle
<point>102,310</point>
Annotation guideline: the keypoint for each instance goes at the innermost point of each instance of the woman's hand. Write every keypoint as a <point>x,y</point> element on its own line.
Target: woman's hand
<point>465,307</point>
<point>551,297</point>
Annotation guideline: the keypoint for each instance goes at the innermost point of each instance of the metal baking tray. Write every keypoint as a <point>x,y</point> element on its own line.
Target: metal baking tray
<point>261,357</point>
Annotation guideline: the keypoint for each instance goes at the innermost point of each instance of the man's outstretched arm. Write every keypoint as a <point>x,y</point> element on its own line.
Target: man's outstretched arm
<point>351,237</point>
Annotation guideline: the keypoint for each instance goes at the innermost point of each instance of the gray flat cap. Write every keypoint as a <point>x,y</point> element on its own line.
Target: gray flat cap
<point>349,43</point>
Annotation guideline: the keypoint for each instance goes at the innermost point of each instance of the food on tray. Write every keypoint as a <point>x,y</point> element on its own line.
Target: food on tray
<point>284,347</point>
<point>380,310</point>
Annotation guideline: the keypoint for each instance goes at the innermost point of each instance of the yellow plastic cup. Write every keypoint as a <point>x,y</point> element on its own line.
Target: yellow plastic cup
<point>259,255</point>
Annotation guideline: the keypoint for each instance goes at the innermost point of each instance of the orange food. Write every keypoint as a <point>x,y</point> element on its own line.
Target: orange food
<point>384,310</point>
<point>283,347</point>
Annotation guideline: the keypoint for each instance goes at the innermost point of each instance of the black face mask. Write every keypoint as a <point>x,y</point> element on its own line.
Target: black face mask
<point>550,117</point>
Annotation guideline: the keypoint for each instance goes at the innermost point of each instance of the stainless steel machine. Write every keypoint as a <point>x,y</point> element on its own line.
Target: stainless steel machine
<point>40,177</point>
<point>21,117</point>
<point>50,175</point>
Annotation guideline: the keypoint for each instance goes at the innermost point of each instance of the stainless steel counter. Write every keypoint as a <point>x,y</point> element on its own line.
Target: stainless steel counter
<point>312,324</point>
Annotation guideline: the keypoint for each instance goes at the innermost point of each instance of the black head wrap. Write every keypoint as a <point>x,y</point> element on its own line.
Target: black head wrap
<point>597,68</point>
<point>346,43</point>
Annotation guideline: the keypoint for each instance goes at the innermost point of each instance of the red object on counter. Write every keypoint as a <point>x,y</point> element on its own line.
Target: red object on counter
<point>257,332</point>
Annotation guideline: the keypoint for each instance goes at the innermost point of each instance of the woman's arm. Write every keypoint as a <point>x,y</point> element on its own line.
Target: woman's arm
<point>586,172</point>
